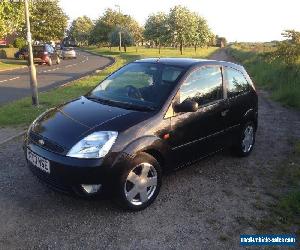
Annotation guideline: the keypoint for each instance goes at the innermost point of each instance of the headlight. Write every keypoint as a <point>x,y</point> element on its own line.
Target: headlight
<point>95,145</point>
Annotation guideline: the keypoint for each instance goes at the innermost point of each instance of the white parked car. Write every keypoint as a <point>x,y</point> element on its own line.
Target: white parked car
<point>68,52</point>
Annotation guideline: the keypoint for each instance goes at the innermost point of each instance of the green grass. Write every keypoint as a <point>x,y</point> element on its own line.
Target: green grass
<point>285,213</point>
<point>288,207</point>
<point>281,80</point>
<point>21,112</point>
<point>165,52</point>
<point>11,64</point>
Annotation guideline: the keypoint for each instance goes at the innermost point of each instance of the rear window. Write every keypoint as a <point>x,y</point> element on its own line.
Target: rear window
<point>38,48</point>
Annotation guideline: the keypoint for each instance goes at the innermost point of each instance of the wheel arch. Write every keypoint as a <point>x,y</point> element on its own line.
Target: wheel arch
<point>152,145</point>
<point>250,115</point>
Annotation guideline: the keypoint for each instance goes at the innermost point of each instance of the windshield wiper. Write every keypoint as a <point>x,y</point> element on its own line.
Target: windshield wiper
<point>137,107</point>
<point>121,104</point>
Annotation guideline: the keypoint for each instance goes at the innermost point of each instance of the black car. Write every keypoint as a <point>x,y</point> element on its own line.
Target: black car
<point>149,117</point>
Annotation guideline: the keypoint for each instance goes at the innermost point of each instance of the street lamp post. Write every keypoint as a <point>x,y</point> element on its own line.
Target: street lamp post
<point>120,40</point>
<point>120,34</point>
<point>33,81</point>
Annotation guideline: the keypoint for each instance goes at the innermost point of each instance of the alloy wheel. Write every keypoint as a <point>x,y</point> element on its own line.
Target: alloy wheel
<point>248,139</point>
<point>141,184</point>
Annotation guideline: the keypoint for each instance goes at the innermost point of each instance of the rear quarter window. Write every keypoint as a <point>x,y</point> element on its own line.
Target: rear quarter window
<point>237,83</point>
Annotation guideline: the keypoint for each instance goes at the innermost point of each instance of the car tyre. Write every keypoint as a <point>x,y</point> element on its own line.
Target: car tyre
<point>139,183</point>
<point>245,140</point>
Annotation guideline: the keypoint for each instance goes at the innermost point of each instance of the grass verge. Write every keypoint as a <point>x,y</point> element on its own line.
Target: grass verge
<point>21,112</point>
<point>6,64</point>
<point>285,213</point>
<point>283,81</point>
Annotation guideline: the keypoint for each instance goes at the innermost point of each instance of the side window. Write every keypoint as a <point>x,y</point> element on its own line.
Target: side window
<point>237,83</point>
<point>204,85</point>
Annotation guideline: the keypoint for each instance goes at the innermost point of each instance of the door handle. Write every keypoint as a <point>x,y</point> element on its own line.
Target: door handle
<point>224,112</point>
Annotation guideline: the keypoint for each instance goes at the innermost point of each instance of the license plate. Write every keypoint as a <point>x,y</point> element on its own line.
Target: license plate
<point>38,161</point>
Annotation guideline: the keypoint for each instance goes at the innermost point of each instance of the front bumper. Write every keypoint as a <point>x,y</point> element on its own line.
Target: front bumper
<point>69,55</point>
<point>43,59</point>
<point>66,173</point>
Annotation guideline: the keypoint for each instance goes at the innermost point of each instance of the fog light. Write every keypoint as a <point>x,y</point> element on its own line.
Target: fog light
<point>91,189</point>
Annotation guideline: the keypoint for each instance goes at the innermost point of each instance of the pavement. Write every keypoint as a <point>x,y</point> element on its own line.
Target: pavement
<point>14,84</point>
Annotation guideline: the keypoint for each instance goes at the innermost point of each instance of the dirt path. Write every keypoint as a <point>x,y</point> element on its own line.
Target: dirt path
<point>205,206</point>
<point>222,55</point>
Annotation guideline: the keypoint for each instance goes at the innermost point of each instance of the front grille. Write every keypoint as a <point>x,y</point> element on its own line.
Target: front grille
<point>48,145</point>
<point>50,181</point>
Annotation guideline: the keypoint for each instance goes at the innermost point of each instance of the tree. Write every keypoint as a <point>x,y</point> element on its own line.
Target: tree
<point>48,21</point>
<point>183,26</point>
<point>111,20</point>
<point>292,35</point>
<point>80,29</point>
<point>156,29</point>
<point>19,42</point>
<point>11,17</point>
<point>135,30</point>
<point>105,25</point>
<point>202,34</point>
<point>288,51</point>
<point>127,37</point>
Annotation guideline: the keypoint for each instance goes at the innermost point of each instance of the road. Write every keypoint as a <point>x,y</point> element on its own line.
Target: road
<point>14,84</point>
<point>205,206</point>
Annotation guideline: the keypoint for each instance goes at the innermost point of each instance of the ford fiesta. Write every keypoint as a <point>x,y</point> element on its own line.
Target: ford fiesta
<point>149,117</point>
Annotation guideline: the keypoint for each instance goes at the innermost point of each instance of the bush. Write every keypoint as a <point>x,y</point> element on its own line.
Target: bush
<point>8,53</point>
<point>19,42</point>
<point>275,74</point>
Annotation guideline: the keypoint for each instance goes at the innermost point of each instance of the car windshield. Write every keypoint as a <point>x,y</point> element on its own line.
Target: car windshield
<point>138,85</point>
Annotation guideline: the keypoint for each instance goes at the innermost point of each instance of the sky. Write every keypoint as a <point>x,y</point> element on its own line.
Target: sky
<point>237,20</point>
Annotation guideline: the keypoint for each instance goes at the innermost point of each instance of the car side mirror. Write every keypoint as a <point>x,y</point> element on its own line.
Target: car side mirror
<point>186,106</point>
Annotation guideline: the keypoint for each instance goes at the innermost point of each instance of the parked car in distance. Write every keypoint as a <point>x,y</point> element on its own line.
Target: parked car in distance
<point>147,118</point>
<point>68,52</point>
<point>22,54</point>
<point>45,54</point>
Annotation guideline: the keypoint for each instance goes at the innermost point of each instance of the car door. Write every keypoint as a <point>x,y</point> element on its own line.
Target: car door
<point>196,134</point>
<point>239,100</point>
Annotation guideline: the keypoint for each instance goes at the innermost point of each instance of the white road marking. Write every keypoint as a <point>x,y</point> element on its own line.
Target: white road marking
<point>48,70</point>
<point>11,79</point>
<point>67,66</point>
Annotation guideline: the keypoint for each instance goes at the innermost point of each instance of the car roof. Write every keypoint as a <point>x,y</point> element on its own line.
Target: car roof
<point>188,62</point>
